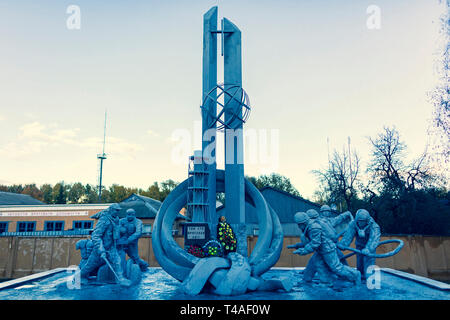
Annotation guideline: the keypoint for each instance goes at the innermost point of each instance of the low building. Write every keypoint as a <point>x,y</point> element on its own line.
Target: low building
<point>49,218</point>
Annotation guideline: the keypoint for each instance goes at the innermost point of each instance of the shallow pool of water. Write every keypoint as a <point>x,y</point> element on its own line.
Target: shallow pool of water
<point>158,285</point>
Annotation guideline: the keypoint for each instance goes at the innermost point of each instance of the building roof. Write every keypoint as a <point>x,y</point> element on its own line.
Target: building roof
<point>145,207</point>
<point>9,198</point>
<point>284,204</point>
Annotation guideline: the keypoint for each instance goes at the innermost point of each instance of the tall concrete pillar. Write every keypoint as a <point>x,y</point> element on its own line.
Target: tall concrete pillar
<point>234,149</point>
<point>209,109</point>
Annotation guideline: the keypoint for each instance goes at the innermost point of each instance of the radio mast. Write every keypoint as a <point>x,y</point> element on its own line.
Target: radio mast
<point>101,157</point>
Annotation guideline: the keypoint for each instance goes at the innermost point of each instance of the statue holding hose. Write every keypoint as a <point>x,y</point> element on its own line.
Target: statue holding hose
<point>363,228</point>
<point>367,234</point>
<point>321,242</point>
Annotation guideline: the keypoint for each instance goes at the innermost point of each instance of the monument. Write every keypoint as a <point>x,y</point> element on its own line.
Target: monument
<point>225,107</point>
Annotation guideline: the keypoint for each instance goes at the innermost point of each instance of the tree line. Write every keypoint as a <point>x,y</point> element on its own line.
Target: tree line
<point>70,193</point>
<point>67,193</point>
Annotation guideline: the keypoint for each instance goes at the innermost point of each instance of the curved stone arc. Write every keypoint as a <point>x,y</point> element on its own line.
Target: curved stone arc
<point>176,271</point>
<point>177,262</point>
<point>264,222</point>
<point>273,253</point>
<point>150,208</point>
<point>170,246</point>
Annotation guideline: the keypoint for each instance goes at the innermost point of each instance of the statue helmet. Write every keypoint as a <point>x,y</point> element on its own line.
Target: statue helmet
<point>131,210</point>
<point>312,214</point>
<point>362,215</point>
<point>325,208</point>
<point>115,206</point>
<point>301,217</point>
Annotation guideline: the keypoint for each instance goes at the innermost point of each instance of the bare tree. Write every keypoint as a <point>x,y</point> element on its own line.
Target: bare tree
<point>386,165</point>
<point>339,181</point>
<point>420,173</point>
<point>389,172</point>
<point>440,129</point>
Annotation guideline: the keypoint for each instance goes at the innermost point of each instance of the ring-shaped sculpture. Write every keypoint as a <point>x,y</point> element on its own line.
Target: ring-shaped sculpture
<point>179,263</point>
<point>239,112</point>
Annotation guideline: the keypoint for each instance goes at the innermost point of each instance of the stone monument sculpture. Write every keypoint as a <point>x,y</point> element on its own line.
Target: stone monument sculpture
<point>225,107</point>
<point>130,232</point>
<point>321,242</point>
<point>326,265</point>
<point>367,234</point>
<point>104,255</point>
<point>328,224</point>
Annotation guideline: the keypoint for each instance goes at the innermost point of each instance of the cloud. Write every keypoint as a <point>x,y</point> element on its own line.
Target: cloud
<point>36,131</point>
<point>16,150</point>
<point>34,137</point>
<point>31,130</point>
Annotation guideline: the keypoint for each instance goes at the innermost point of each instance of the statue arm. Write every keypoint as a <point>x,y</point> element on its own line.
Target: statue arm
<point>97,234</point>
<point>315,236</point>
<point>374,238</point>
<point>348,236</point>
<point>297,245</point>
<point>347,215</point>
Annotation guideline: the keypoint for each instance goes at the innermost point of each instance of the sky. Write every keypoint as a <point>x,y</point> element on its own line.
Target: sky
<point>314,72</point>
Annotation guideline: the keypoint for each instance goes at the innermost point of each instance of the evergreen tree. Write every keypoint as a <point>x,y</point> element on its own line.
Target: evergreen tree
<point>59,194</point>
<point>47,190</point>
